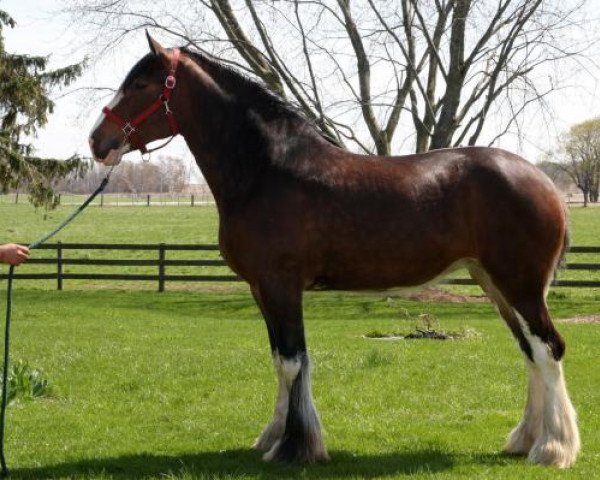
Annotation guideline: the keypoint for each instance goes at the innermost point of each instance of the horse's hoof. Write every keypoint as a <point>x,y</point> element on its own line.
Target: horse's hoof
<point>553,453</point>
<point>290,451</point>
<point>268,438</point>
<point>519,442</point>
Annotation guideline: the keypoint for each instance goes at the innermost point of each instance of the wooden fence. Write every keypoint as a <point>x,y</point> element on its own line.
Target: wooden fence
<point>200,198</point>
<point>161,263</point>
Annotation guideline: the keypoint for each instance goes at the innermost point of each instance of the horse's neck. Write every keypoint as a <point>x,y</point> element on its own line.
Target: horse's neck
<point>232,151</point>
<point>233,145</point>
<point>222,152</point>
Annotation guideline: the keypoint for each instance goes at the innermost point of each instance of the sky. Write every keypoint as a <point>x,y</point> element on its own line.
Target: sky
<point>42,31</point>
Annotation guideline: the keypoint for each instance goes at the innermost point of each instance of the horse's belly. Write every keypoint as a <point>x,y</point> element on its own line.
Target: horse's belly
<point>372,272</point>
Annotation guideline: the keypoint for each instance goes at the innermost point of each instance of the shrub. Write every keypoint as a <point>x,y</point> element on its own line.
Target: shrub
<point>26,383</point>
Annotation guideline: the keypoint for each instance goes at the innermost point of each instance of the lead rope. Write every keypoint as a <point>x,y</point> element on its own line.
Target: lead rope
<point>11,272</point>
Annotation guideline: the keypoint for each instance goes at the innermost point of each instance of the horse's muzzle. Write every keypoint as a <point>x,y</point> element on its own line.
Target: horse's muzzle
<point>107,152</point>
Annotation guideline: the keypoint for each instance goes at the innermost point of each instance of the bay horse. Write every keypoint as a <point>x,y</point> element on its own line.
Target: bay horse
<point>297,212</point>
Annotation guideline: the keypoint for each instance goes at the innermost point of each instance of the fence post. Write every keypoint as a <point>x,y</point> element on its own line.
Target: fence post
<point>192,199</point>
<point>101,200</point>
<point>17,198</point>
<point>161,267</point>
<point>59,267</point>
<point>148,200</point>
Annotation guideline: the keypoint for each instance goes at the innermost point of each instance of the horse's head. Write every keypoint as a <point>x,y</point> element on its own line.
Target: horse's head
<point>140,112</point>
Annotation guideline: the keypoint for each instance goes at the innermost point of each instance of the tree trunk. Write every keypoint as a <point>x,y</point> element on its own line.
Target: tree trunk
<point>446,125</point>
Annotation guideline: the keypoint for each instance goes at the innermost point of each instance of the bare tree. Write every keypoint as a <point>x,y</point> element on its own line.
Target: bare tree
<point>556,172</point>
<point>169,174</point>
<point>360,70</point>
<point>173,173</point>
<point>580,158</point>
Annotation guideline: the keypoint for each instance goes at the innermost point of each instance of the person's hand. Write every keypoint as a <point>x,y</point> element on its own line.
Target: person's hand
<point>13,254</point>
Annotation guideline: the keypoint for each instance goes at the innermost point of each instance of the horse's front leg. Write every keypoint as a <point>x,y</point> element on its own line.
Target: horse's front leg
<point>276,427</point>
<point>294,434</point>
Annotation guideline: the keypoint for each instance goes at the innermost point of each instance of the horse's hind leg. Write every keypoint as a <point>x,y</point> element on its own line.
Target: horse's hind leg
<point>529,429</point>
<point>299,441</point>
<point>558,444</point>
<point>548,432</point>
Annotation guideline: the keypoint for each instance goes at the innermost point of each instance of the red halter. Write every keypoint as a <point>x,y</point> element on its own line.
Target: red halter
<point>130,128</point>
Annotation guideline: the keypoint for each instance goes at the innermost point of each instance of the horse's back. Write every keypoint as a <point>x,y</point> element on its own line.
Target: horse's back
<point>418,216</point>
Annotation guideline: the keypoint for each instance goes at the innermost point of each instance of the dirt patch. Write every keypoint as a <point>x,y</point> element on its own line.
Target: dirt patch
<point>587,319</point>
<point>418,334</point>
<point>437,295</point>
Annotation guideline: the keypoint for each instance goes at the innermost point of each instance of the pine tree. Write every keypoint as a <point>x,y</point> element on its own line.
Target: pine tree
<point>25,86</point>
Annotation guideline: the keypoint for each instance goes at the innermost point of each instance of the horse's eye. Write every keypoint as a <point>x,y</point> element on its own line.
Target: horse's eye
<point>140,84</point>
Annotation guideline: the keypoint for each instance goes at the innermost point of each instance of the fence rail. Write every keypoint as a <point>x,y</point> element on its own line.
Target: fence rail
<point>200,198</point>
<point>59,261</point>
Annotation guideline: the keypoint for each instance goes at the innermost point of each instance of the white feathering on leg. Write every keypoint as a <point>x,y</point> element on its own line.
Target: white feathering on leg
<point>558,443</point>
<point>275,429</point>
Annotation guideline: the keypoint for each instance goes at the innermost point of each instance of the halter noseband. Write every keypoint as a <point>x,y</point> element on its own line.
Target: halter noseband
<point>130,128</point>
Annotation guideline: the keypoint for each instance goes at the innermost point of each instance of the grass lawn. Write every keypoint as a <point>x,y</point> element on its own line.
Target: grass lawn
<point>178,385</point>
<point>175,224</point>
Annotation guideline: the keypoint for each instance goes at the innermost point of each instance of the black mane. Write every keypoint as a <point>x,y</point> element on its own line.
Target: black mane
<point>253,93</point>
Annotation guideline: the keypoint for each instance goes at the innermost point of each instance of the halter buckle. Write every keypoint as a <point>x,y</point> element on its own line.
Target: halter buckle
<point>128,129</point>
<point>170,82</point>
<point>146,157</point>
<point>168,110</point>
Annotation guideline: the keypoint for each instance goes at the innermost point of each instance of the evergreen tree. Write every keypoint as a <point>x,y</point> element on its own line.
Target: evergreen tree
<point>25,86</point>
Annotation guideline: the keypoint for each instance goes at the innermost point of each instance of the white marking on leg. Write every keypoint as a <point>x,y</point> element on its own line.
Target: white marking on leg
<point>287,371</point>
<point>522,438</point>
<point>314,449</point>
<point>558,443</point>
<point>275,429</point>
<point>288,368</point>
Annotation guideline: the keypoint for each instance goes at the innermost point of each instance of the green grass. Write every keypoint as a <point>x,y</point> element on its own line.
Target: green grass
<point>113,225</point>
<point>585,226</point>
<point>179,384</point>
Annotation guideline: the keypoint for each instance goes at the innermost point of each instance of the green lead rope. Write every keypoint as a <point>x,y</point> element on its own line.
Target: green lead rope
<point>11,272</point>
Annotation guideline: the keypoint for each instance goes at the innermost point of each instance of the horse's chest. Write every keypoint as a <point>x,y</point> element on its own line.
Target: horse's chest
<point>240,248</point>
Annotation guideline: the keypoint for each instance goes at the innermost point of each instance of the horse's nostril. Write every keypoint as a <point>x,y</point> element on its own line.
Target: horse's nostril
<point>101,147</point>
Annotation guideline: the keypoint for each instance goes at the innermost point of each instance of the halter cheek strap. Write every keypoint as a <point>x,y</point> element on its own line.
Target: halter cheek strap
<point>130,128</point>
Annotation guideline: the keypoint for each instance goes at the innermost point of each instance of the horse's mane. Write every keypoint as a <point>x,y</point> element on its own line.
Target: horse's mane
<point>252,92</point>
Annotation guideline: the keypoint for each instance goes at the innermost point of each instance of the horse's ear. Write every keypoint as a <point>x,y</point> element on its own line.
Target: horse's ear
<point>155,47</point>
